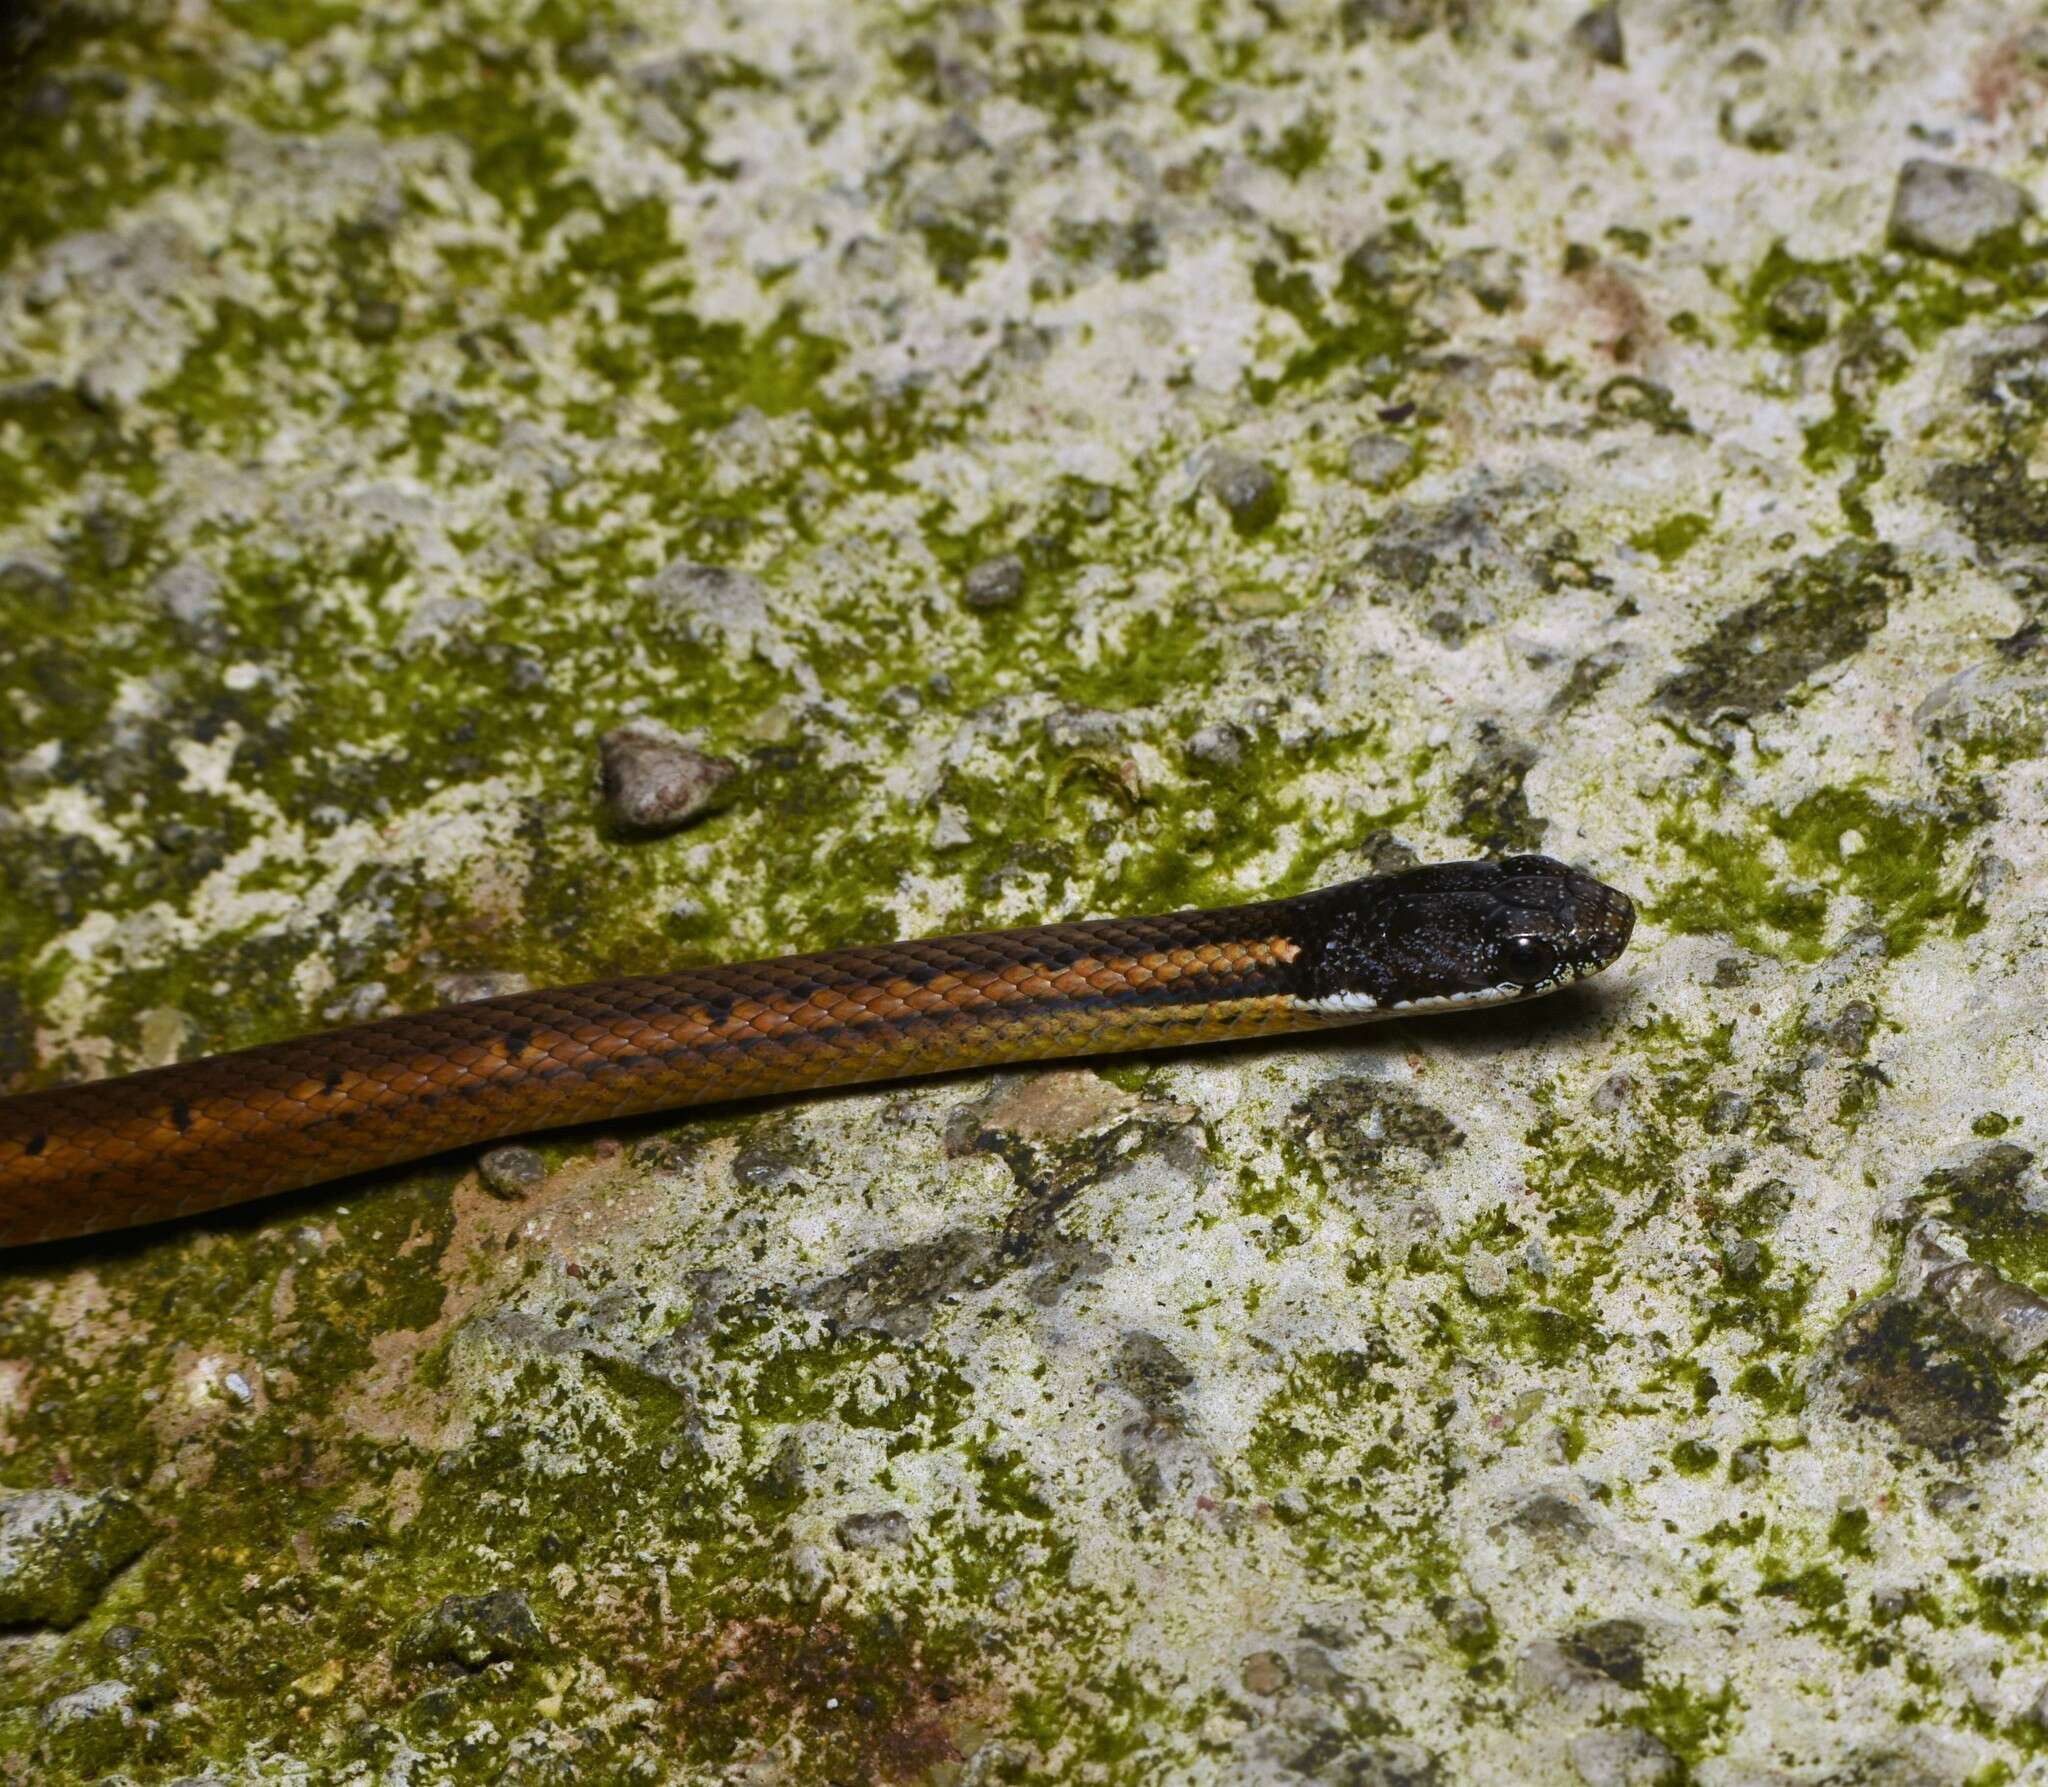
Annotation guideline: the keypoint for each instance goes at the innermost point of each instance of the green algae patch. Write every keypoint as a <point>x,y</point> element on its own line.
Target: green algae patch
<point>1900,862</point>
<point>391,402</point>
<point>1673,537</point>
<point>1368,324</point>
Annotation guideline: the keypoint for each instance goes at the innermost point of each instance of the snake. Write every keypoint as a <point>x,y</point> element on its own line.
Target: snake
<point>176,1141</point>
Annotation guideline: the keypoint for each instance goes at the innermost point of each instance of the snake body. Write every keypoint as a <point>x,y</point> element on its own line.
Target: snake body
<point>200,1135</point>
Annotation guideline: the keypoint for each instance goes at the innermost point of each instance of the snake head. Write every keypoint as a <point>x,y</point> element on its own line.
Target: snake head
<point>1463,933</point>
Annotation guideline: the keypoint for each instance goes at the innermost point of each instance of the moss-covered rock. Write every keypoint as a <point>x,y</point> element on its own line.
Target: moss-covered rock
<point>1016,462</point>
<point>59,1549</point>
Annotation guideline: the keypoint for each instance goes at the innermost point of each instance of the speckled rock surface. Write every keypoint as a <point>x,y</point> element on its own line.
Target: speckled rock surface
<point>1068,459</point>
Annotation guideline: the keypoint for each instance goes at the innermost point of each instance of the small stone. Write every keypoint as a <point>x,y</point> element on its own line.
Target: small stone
<point>1486,1275</point>
<point>481,983</point>
<point>370,1000</point>
<point>2006,1315</point>
<point>1954,212</point>
<point>347,1531</point>
<point>1247,488</point>
<point>951,830</point>
<point>188,592</point>
<point>1613,1093</point>
<point>1799,309</point>
<point>512,1172</point>
<point>472,1630</point>
<point>1492,275</point>
<point>809,1570</point>
<point>1726,1113</point>
<point>1622,1756</point>
<point>1377,460</point>
<point>1848,1032</point>
<point>1468,1620</point>
<point>59,1549</point>
<point>1598,34</point>
<point>654,781</point>
<point>86,1732</point>
<point>995,582</point>
<point>1610,1647</point>
<point>1265,1672</point>
<point>874,1532</point>
<point>1291,1506</point>
<point>1083,729</point>
<point>1221,746</point>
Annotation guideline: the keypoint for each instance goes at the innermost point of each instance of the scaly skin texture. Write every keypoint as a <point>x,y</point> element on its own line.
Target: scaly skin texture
<point>175,1141</point>
<point>199,1135</point>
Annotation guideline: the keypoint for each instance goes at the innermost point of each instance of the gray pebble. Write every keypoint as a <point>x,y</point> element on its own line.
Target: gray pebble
<point>1221,746</point>
<point>2008,1316</point>
<point>479,983</point>
<point>87,1703</point>
<point>1622,1756</point>
<point>1598,34</point>
<point>1486,1275</point>
<point>58,1549</point>
<point>1799,309</point>
<point>188,592</point>
<point>511,1172</point>
<point>874,1532</point>
<point>86,1731</point>
<point>1377,460</point>
<point>1083,728</point>
<point>1265,1673</point>
<point>654,781</point>
<point>1950,211</point>
<point>1248,489</point>
<point>370,1000</point>
<point>995,582</point>
<point>472,1630</point>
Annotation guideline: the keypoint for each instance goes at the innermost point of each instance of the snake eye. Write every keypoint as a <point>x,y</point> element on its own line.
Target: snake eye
<point>1527,960</point>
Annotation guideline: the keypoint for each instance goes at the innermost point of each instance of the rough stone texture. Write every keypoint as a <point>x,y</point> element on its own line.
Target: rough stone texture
<point>1643,1386</point>
<point>59,1549</point>
<point>655,781</point>
<point>1952,211</point>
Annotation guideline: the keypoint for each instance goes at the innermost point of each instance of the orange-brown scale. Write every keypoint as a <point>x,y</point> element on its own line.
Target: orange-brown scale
<point>176,1140</point>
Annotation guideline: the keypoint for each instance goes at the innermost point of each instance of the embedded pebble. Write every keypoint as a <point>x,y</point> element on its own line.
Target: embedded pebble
<point>995,582</point>
<point>189,592</point>
<point>1219,746</point>
<point>1486,1274</point>
<point>1623,1756</point>
<point>481,983</point>
<point>1799,309</point>
<point>882,1531</point>
<point>1248,489</point>
<point>1377,460</point>
<point>1265,1673</point>
<point>1083,728</point>
<point>656,781</point>
<point>85,1732</point>
<point>1942,209</point>
<point>511,1172</point>
<point>1598,34</point>
<point>472,1630</point>
<point>59,1549</point>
